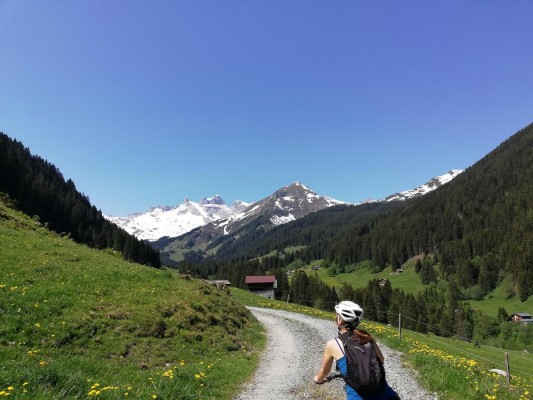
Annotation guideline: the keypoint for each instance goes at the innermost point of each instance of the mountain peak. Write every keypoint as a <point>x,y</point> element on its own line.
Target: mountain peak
<point>216,199</point>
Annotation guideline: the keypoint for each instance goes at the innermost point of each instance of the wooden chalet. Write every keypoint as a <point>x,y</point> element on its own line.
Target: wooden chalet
<point>522,317</point>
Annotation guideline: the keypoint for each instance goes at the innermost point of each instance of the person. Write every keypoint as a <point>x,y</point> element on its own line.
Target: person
<point>348,316</point>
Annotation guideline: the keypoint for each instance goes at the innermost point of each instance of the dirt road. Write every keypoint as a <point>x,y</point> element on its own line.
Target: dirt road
<point>293,355</point>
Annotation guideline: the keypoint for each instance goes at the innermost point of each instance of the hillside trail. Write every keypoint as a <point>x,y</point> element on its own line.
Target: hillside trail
<point>293,354</point>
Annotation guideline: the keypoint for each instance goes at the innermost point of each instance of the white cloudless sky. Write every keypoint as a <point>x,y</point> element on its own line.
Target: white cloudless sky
<point>146,103</point>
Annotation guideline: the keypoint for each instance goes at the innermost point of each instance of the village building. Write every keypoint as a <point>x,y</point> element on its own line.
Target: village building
<point>522,317</point>
<point>262,285</point>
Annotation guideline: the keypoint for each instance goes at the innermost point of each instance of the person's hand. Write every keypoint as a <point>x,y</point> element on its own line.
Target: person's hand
<point>318,380</point>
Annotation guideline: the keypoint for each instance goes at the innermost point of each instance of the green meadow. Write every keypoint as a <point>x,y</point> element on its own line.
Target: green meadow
<point>408,281</point>
<point>79,323</point>
<point>499,298</point>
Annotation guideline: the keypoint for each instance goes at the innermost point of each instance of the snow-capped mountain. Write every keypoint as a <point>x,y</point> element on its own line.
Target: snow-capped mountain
<point>426,187</point>
<point>218,219</point>
<point>169,221</point>
<point>286,204</point>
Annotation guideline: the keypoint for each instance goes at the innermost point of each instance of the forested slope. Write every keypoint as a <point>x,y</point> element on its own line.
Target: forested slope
<point>39,189</point>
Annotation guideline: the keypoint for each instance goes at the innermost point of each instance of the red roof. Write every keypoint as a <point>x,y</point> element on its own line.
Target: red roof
<point>260,279</point>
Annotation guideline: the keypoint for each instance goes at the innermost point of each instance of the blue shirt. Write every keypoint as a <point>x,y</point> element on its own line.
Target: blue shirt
<point>351,394</point>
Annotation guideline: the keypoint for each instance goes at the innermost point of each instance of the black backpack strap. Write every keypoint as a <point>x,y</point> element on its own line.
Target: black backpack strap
<point>344,338</point>
<point>340,347</point>
<point>379,354</point>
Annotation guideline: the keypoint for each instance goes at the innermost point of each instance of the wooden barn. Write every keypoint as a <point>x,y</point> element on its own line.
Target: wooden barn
<point>262,285</point>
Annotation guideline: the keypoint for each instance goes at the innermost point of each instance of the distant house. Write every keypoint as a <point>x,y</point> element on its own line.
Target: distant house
<point>383,281</point>
<point>397,272</point>
<point>316,267</point>
<point>522,317</point>
<point>262,285</point>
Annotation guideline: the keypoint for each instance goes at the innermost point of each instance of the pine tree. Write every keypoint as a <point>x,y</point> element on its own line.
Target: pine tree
<point>524,285</point>
<point>503,316</point>
<point>418,266</point>
<point>346,292</point>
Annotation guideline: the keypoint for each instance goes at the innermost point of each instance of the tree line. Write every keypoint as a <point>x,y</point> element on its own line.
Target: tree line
<point>39,189</point>
<point>438,309</point>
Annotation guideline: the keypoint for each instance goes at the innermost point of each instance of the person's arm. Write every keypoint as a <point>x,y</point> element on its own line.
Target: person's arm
<point>327,362</point>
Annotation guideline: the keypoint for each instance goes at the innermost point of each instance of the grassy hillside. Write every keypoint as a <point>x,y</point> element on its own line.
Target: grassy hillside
<point>78,323</point>
<point>453,369</point>
<point>499,298</point>
<point>409,282</point>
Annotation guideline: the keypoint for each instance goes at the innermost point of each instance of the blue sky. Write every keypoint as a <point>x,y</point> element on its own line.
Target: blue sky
<point>146,103</point>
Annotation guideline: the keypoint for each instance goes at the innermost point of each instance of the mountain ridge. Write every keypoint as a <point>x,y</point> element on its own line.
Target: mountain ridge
<point>287,204</point>
<point>174,221</point>
<point>160,221</point>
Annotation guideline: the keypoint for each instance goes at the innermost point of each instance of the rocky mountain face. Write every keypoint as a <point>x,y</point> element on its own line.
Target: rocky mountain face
<point>286,204</point>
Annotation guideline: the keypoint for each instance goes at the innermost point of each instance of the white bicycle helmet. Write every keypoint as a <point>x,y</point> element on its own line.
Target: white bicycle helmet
<point>350,312</point>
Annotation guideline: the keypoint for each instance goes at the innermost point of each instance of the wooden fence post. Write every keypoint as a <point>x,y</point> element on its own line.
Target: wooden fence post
<point>507,368</point>
<point>400,325</point>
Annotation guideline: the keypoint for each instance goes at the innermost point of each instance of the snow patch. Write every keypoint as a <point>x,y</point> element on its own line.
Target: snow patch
<point>280,220</point>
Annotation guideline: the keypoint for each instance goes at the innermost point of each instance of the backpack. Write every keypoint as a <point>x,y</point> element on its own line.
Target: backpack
<point>364,360</point>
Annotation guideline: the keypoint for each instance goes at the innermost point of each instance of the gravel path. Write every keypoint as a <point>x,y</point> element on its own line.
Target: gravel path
<point>293,356</point>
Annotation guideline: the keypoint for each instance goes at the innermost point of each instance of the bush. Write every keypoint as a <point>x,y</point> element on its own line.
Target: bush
<point>473,293</point>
